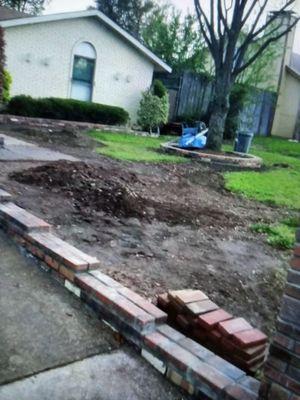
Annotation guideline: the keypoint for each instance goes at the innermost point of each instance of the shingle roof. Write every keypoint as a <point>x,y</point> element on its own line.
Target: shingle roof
<point>8,13</point>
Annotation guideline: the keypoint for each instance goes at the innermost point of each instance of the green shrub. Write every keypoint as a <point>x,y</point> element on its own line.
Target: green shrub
<point>153,111</point>
<point>67,109</point>
<point>7,81</point>
<point>159,89</point>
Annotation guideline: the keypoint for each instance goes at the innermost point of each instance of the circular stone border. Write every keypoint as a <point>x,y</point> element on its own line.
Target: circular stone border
<point>240,159</point>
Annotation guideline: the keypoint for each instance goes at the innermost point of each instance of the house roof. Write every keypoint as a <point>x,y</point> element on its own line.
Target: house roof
<point>25,20</point>
<point>7,13</point>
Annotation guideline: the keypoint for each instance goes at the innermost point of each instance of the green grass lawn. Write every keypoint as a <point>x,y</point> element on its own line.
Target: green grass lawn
<point>127,147</point>
<point>280,183</point>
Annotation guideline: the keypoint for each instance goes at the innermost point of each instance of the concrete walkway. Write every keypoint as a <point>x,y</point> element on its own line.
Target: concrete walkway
<point>19,150</point>
<point>52,347</point>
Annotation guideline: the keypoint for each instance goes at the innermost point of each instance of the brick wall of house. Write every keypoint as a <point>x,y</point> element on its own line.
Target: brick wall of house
<point>282,370</point>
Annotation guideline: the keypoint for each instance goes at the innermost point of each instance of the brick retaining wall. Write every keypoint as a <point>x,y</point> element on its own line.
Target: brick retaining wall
<point>282,370</point>
<point>183,361</point>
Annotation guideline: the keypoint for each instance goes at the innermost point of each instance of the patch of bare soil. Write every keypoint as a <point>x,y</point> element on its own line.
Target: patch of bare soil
<point>94,188</point>
<point>159,227</point>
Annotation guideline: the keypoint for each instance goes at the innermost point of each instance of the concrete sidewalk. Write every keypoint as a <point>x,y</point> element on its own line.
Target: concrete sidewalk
<point>19,150</point>
<point>51,346</point>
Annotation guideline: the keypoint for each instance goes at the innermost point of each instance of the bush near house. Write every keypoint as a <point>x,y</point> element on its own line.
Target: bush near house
<point>7,81</point>
<point>154,107</point>
<point>67,109</point>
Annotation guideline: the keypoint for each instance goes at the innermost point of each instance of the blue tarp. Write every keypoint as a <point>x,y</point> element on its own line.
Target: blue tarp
<point>191,138</point>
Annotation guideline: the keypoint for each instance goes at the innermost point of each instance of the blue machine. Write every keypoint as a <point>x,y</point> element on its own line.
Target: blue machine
<point>194,138</point>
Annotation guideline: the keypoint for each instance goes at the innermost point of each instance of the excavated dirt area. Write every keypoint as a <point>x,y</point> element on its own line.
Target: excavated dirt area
<point>156,227</point>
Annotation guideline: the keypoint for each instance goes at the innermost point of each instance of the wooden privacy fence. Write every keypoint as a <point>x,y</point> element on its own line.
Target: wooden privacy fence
<point>190,94</point>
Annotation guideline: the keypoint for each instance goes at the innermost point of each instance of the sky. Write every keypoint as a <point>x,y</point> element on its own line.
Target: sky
<point>72,5</point>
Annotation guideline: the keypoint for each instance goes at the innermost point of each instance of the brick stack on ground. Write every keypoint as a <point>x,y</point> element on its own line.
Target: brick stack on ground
<point>201,319</point>
<point>282,370</point>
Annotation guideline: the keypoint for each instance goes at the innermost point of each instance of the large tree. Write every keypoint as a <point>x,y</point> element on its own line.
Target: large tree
<point>175,38</point>
<point>232,29</point>
<point>129,14</point>
<point>26,6</point>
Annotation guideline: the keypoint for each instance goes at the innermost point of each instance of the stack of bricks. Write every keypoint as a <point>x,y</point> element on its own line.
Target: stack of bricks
<point>282,370</point>
<point>201,319</point>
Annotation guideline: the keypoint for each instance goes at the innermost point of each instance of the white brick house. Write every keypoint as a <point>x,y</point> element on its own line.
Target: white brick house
<point>82,55</point>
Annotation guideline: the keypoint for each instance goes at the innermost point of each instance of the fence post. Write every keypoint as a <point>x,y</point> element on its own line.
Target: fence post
<point>281,379</point>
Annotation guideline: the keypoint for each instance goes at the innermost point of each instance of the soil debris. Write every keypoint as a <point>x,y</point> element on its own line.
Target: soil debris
<point>117,192</point>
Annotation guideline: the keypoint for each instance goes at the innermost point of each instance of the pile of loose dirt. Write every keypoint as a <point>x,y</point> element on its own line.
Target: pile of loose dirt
<point>91,187</point>
<point>117,192</point>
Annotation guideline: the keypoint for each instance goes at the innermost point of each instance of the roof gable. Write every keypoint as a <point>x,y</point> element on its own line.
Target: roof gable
<point>89,13</point>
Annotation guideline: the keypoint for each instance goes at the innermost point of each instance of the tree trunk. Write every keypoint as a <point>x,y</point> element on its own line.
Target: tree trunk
<point>220,108</point>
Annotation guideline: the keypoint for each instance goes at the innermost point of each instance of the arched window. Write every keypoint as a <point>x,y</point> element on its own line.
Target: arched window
<point>83,71</point>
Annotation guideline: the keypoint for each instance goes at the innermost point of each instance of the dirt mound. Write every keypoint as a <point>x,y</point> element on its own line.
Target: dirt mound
<point>94,188</point>
<point>91,187</point>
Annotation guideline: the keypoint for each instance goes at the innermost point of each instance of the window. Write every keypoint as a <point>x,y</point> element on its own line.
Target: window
<point>84,61</point>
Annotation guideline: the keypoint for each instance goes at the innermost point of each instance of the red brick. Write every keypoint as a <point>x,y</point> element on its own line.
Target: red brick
<point>211,319</point>
<point>184,361</point>
<point>62,251</point>
<point>232,326</point>
<point>195,348</point>
<point>250,363</point>
<point>187,296</point>
<point>293,277</point>
<point>284,341</point>
<point>173,353</point>
<point>249,338</point>
<point>210,376</point>
<point>125,309</point>
<point>163,301</point>
<point>297,347</point>
<point>182,321</point>
<point>277,392</point>
<point>51,262</point>
<point>105,279</point>
<point>297,250</point>
<point>170,333</point>
<point>295,263</point>
<point>276,363</point>
<point>215,335</point>
<point>4,196</point>
<point>201,307</point>
<point>290,309</point>
<point>238,392</point>
<point>23,219</point>
<point>199,335</point>
<point>246,354</point>
<point>288,328</point>
<point>145,305</point>
<point>293,291</point>
<point>67,273</point>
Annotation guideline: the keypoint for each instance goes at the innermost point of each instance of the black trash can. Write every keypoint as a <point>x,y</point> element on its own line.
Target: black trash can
<point>243,142</point>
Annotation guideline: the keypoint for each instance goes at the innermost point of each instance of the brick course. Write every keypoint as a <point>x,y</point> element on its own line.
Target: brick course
<point>282,370</point>
<point>186,363</point>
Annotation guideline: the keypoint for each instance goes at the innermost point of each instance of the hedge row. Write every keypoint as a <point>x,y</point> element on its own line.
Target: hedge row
<point>67,109</point>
